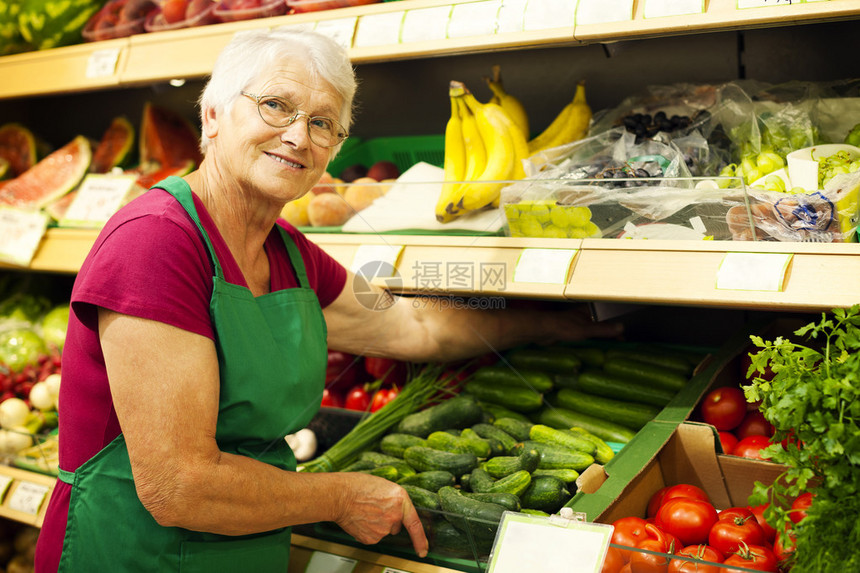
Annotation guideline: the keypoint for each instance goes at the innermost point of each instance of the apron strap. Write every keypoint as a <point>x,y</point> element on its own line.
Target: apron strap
<point>295,258</point>
<point>66,476</point>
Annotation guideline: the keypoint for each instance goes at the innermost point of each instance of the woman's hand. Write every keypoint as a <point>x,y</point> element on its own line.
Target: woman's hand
<point>375,507</point>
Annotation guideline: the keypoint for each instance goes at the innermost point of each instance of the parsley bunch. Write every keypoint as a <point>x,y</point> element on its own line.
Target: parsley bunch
<point>813,402</point>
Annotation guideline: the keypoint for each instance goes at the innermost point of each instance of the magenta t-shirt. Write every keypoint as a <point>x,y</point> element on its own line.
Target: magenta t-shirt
<point>149,261</point>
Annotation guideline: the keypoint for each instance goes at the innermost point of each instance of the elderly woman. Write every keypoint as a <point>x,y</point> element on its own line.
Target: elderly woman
<point>198,336</point>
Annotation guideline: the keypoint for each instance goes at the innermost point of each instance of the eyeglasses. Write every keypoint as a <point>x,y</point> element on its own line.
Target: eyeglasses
<point>278,112</point>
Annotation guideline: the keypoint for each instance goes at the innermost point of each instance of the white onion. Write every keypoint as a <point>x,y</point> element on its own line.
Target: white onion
<point>13,441</point>
<point>40,397</point>
<point>13,412</point>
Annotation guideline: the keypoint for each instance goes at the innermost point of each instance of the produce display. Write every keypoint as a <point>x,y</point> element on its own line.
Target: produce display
<point>167,144</point>
<point>511,434</point>
<point>17,547</point>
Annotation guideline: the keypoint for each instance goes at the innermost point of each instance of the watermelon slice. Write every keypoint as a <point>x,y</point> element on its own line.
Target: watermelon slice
<point>51,178</point>
<point>147,176</point>
<point>167,138</point>
<point>115,146</point>
<point>47,24</point>
<point>18,147</point>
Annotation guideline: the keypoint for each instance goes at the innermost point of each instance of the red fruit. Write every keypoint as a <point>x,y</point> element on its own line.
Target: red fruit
<point>357,399</point>
<point>755,557</point>
<point>341,370</point>
<point>700,552</point>
<point>754,424</point>
<point>751,446</point>
<point>383,170</point>
<point>728,441</point>
<point>690,520</point>
<point>799,507</point>
<point>173,11</point>
<point>724,408</point>
<point>736,526</point>
<point>331,399</point>
<point>197,7</point>
<point>769,531</point>
<point>23,389</point>
<point>388,370</point>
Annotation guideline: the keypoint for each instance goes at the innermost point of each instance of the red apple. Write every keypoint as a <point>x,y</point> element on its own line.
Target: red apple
<point>383,170</point>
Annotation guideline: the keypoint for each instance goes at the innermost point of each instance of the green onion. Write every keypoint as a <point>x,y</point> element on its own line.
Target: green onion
<point>426,387</point>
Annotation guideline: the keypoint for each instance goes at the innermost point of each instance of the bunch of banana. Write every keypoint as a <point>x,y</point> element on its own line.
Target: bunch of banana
<point>509,103</point>
<point>571,124</point>
<point>483,148</point>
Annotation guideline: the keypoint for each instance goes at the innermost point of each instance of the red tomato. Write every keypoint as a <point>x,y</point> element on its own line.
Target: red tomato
<point>746,363</point>
<point>783,550</point>
<point>173,10</point>
<point>357,399</point>
<point>382,397</point>
<point>751,446</point>
<point>685,490</point>
<point>769,531</point>
<point>659,542</point>
<point>754,424</point>
<point>341,369</point>
<point>614,561</point>
<point>799,507</point>
<point>700,552</point>
<point>331,399</point>
<point>689,520</point>
<point>656,501</point>
<point>728,441</point>
<point>388,370</point>
<point>736,526</point>
<point>724,408</point>
<point>629,531</point>
<point>755,557</point>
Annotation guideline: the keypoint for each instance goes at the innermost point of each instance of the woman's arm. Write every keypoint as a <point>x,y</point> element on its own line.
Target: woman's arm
<point>164,384</point>
<point>434,329</point>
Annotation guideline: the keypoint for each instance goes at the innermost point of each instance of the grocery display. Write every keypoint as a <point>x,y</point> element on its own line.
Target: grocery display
<point>578,216</point>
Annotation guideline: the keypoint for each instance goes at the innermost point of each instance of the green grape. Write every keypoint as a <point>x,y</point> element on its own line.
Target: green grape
<point>768,162</point>
<point>553,232</point>
<point>774,183</point>
<point>833,165</point>
<point>558,216</point>
<point>579,216</point>
<point>592,230</point>
<point>797,190</point>
<point>577,233</point>
<point>530,227</point>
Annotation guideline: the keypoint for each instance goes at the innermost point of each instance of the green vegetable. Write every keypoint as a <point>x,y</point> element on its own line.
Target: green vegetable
<point>648,374</point>
<point>497,411</point>
<point>395,444</point>
<point>546,493</point>
<point>516,483</point>
<point>509,501</point>
<point>601,383</point>
<point>548,435</point>
<point>426,459</point>
<point>853,136</point>
<point>458,444</point>
<point>516,428</point>
<point>448,540</point>
<point>501,466</point>
<point>563,418</point>
<point>813,402</point>
<point>471,516</point>
<point>431,480</point>
<point>555,361</point>
<point>672,359</point>
<point>629,414</point>
<point>489,431</point>
<point>517,398</point>
<point>602,451</point>
<point>554,457</point>
<point>568,475</point>
<point>457,412</point>
<point>20,347</point>
<point>54,326</point>
<point>422,498</point>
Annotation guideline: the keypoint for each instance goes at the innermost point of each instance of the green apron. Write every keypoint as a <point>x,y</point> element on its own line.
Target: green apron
<point>272,359</point>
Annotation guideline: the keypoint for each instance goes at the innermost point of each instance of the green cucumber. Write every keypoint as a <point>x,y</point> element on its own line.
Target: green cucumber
<point>534,512</point>
<point>496,447</point>
<point>378,458</point>
<point>647,374</point>
<point>566,475</point>
<point>422,498</point>
<point>517,398</point>
<point>544,360</point>
<point>479,518</point>
<point>395,444</point>
<point>602,383</point>
<point>629,414</point>
<point>519,429</point>
<point>678,361</point>
<point>516,483</point>
<point>457,444</point>
<point>550,435</point>
<point>501,466</point>
<point>497,411</point>
<point>424,459</point>
<point>432,480</point>
<point>390,473</point>
<point>564,418</point>
<point>531,378</point>
<point>588,355</point>
<point>480,481</point>
<point>491,432</point>
<point>446,539</point>
<point>553,457</point>
<point>602,451</point>
<point>508,500</point>
<point>546,493</point>
<point>458,412</point>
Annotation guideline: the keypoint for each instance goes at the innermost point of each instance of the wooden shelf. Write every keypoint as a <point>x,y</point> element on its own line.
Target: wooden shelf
<point>26,494</point>
<point>190,53</point>
<point>646,272</point>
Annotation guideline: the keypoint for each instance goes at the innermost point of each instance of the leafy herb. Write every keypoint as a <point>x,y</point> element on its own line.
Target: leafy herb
<point>813,401</point>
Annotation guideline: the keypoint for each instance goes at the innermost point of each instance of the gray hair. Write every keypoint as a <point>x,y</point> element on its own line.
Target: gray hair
<point>250,53</point>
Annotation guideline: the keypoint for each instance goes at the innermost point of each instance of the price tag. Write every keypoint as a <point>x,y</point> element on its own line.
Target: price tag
<point>393,570</point>
<point>474,19</point>
<point>322,562</point>
<point>22,232</point>
<point>511,16</point>
<point>545,14</point>
<point>98,197</point>
<point>548,544</point>
<point>102,63</point>
<point>307,26</point>
<point>374,261</point>
<point>378,29</point>
<point>661,8</point>
<point>425,24</point>
<point>603,11</point>
<point>546,266</point>
<point>4,486</point>
<point>341,30</point>
<point>753,271</point>
<point>762,3</point>
<point>28,497</point>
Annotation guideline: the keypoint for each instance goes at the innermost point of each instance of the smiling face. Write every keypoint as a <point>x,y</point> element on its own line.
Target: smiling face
<point>276,164</point>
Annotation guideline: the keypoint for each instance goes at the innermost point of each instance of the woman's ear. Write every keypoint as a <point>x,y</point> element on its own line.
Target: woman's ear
<point>209,119</point>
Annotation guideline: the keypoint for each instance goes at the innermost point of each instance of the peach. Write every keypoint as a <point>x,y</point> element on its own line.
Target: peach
<point>328,210</point>
<point>362,192</point>
<point>324,185</point>
<point>296,211</point>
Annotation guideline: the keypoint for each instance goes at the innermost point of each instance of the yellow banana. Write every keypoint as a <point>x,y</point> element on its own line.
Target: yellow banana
<point>476,152</point>
<point>571,124</point>
<point>454,163</point>
<point>494,127</point>
<point>509,103</point>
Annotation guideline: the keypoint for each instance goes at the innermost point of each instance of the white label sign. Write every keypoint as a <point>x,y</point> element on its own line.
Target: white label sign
<point>378,29</point>
<point>98,197</point>
<point>376,261</point>
<point>511,16</point>
<point>22,233</point>
<point>547,14</point>
<point>322,562</point>
<point>660,8</point>
<point>603,11</point>
<point>341,30</point>
<point>102,63</point>
<point>28,497</point>
<point>474,19</point>
<point>426,24</point>
<point>763,3</point>
<point>753,271</point>
<point>546,266</point>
